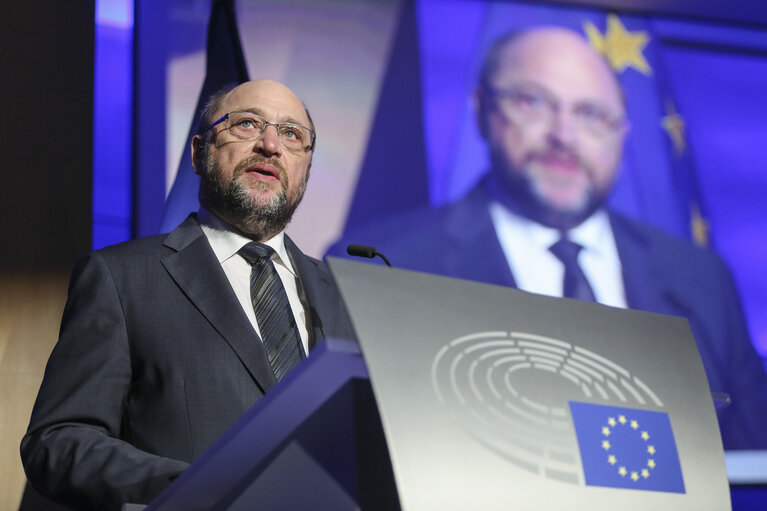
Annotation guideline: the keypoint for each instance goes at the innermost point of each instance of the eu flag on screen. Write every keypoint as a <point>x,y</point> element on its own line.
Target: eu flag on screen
<point>627,448</point>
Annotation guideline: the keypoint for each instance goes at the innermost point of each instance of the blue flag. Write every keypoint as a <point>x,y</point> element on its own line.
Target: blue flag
<point>627,448</point>
<point>225,64</point>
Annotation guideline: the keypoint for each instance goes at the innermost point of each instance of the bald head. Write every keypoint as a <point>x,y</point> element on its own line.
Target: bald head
<point>544,51</point>
<point>279,95</point>
<point>219,102</point>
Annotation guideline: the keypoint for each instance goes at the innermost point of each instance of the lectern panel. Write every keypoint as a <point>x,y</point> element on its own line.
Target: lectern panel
<point>494,398</point>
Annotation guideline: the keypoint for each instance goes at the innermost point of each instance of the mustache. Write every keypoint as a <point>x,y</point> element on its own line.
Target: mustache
<point>560,153</point>
<point>257,158</point>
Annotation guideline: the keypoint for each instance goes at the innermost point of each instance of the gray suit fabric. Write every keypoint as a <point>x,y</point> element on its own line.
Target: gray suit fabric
<point>155,359</point>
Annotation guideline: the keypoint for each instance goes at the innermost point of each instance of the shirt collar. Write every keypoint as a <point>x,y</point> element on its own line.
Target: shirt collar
<point>226,241</point>
<point>594,233</point>
<point>522,228</point>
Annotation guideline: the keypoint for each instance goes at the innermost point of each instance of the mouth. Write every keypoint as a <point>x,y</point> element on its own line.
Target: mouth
<point>559,159</point>
<point>263,172</point>
<point>560,162</point>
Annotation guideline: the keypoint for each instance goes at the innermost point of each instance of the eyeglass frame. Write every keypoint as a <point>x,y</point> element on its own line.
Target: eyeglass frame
<point>266,125</point>
<point>615,122</point>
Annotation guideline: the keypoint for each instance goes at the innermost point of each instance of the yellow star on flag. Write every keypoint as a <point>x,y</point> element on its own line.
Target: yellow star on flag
<point>645,473</point>
<point>698,225</point>
<point>651,463</point>
<point>673,124</point>
<point>612,460</point>
<point>611,422</point>
<point>606,431</point>
<point>634,424</point>
<point>645,436</point>
<point>622,471</point>
<point>622,419</point>
<point>651,449</point>
<point>623,49</point>
<point>634,476</point>
<point>606,445</point>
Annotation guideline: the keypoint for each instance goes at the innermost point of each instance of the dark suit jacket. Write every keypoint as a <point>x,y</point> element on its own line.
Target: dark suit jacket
<point>661,274</point>
<point>155,359</point>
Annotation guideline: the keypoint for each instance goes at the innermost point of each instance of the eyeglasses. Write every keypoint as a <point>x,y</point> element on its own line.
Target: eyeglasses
<point>247,126</point>
<point>526,104</point>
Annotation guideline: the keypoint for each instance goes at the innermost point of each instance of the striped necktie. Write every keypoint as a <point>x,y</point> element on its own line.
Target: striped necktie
<point>273,313</point>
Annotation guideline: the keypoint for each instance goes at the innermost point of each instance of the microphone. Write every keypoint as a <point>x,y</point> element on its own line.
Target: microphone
<point>365,251</point>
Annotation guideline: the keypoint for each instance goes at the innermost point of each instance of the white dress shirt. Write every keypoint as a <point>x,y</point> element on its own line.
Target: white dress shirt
<point>226,243</point>
<point>536,269</point>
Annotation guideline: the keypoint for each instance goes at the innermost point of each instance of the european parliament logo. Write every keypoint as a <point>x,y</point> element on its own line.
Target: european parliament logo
<point>529,399</point>
<point>627,448</point>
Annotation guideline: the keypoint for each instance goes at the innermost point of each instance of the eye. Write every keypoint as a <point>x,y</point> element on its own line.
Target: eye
<point>592,113</point>
<point>528,102</point>
<point>291,132</point>
<point>249,123</point>
<point>528,99</point>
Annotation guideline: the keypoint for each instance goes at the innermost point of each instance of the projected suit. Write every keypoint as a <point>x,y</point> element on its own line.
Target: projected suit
<point>661,274</point>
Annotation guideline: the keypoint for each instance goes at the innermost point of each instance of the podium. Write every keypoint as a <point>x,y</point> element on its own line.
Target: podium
<point>314,442</point>
<point>473,396</point>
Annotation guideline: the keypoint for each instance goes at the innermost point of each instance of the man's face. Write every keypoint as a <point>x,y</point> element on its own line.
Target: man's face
<point>255,185</point>
<point>554,126</point>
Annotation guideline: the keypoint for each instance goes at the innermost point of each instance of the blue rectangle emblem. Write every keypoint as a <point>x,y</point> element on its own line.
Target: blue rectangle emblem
<point>627,448</point>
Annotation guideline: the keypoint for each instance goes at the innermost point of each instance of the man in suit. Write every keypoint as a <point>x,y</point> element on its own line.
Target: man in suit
<point>164,341</point>
<point>552,114</point>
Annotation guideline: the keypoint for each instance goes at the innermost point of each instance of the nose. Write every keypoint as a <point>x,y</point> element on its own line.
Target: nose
<point>268,143</point>
<point>563,129</point>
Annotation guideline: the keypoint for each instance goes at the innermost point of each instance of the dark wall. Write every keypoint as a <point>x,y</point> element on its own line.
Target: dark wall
<point>46,126</point>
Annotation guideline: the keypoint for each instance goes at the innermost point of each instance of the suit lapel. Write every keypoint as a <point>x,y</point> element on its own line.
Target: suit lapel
<point>649,281</point>
<point>319,289</point>
<point>477,253</point>
<point>199,275</point>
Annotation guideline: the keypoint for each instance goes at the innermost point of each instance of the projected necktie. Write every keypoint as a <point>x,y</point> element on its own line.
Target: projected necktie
<point>575,285</point>
<point>270,302</point>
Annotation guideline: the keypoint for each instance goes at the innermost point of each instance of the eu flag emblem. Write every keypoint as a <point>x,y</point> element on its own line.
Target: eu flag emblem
<point>627,448</point>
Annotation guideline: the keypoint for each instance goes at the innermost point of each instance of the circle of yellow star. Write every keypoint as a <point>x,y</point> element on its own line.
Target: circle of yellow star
<point>612,459</point>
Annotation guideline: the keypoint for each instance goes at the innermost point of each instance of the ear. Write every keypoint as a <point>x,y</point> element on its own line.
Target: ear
<point>198,153</point>
<point>625,131</point>
<point>481,109</point>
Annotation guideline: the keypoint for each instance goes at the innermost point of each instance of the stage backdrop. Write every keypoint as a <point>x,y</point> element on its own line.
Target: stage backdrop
<point>388,84</point>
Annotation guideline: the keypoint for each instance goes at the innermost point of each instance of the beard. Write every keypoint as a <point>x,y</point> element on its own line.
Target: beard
<point>528,192</point>
<point>260,218</point>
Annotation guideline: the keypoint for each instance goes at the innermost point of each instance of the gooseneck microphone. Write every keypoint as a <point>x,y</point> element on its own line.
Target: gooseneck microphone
<point>365,251</point>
